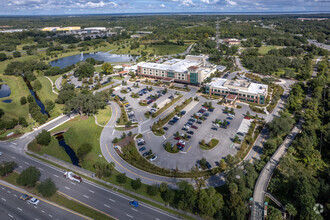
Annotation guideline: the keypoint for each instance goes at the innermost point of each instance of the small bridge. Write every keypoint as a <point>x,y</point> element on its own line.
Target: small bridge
<point>59,132</point>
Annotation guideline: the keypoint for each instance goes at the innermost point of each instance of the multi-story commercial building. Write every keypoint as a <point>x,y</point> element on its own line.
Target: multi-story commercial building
<point>233,90</point>
<point>191,70</point>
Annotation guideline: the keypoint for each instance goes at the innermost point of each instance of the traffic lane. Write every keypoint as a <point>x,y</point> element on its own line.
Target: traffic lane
<point>86,192</point>
<point>19,209</point>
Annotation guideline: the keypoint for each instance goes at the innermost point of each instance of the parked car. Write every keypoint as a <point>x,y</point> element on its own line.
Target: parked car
<point>142,148</point>
<point>182,142</point>
<point>177,138</point>
<point>182,113</point>
<point>141,142</point>
<point>214,128</point>
<point>190,132</point>
<point>199,121</point>
<point>211,109</point>
<point>146,154</point>
<point>134,203</point>
<point>33,201</point>
<point>153,158</point>
<point>206,114</point>
<point>165,128</point>
<point>208,165</point>
<point>194,127</point>
<point>231,115</point>
<point>184,129</point>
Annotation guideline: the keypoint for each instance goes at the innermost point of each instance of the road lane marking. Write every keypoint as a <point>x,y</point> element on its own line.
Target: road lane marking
<point>91,191</point>
<point>8,191</point>
<point>3,199</point>
<point>26,162</point>
<point>50,216</point>
<point>72,183</point>
<point>67,188</point>
<point>14,143</point>
<point>148,135</point>
<point>189,149</point>
<point>10,216</point>
<point>106,206</point>
<point>134,209</point>
<point>42,211</point>
<point>132,171</point>
<point>15,195</point>
<point>113,131</point>
<point>41,169</point>
<point>112,200</point>
<point>129,216</point>
<point>86,205</point>
<point>56,176</point>
<point>13,157</point>
<point>86,196</point>
<point>19,208</point>
<point>20,167</point>
<point>50,203</point>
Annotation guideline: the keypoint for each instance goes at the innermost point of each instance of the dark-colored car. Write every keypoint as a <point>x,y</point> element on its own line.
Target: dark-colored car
<point>134,203</point>
<point>184,129</point>
<point>211,109</point>
<point>177,138</point>
<point>182,112</point>
<point>199,122</point>
<point>194,127</point>
<point>208,165</point>
<point>146,154</point>
<point>165,128</point>
<point>25,197</point>
<point>214,128</point>
<point>142,148</point>
<point>206,114</point>
<point>190,132</point>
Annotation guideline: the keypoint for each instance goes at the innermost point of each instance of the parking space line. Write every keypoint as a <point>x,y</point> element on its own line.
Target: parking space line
<point>148,135</point>
<point>189,149</point>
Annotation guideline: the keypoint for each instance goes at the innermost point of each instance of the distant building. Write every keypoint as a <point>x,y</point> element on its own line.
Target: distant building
<point>191,70</point>
<point>95,28</point>
<point>60,28</point>
<point>312,19</point>
<point>232,41</point>
<point>143,32</point>
<point>136,36</point>
<point>233,90</point>
<point>12,30</point>
<point>50,28</point>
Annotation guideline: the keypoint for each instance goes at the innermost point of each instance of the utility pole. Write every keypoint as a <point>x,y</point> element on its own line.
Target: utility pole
<point>217,34</point>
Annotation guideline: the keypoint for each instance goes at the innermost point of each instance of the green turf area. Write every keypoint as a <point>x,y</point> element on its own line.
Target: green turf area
<point>45,93</point>
<point>53,149</point>
<point>60,199</point>
<point>155,49</point>
<point>214,142</point>
<point>104,115</point>
<point>80,132</point>
<point>264,49</point>
<point>117,77</point>
<point>54,78</point>
<point>18,90</point>
<point>4,64</point>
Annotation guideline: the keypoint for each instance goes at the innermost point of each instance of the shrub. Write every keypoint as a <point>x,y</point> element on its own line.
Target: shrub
<point>23,100</point>
<point>136,184</point>
<point>22,121</point>
<point>47,187</point>
<point>7,167</point>
<point>152,190</point>
<point>28,177</point>
<point>121,178</point>
<point>44,138</point>
<point>30,98</point>
<point>83,150</point>
<point>1,112</point>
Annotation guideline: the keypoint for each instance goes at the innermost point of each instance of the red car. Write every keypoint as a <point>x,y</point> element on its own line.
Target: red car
<point>177,138</point>
<point>194,127</point>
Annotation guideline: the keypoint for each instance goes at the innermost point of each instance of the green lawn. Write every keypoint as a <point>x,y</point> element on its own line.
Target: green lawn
<point>214,142</point>
<point>53,149</point>
<point>54,78</point>
<point>155,49</point>
<point>4,64</point>
<point>104,115</point>
<point>80,132</point>
<point>47,93</point>
<point>264,49</point>
<point>18,89</point>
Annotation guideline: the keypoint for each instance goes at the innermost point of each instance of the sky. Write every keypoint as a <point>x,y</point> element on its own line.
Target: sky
<point>58,7</point>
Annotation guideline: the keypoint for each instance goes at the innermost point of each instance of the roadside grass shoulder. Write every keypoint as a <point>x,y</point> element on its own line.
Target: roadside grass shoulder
<point>59,199</point>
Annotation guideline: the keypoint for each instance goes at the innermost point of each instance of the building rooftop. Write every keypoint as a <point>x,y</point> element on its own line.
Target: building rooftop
<point>240,85</point>
<point>175,65</point>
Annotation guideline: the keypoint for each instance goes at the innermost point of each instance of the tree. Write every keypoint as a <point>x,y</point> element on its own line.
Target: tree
<point>107,68</point>
<point>1,112</point>
<point>43,138</point>
<point>28,177</point>
<point>47,187</point>
<point>23,100</point>
<point>223,165</point>
<point>121,178</point>
<point>22,121</point>
<point>203,163</point>
<point>152,190</point>
<point>30,98</point>
<point>50,105</point>
<point>168,195</point>
<point>232,188</point>
<point>83,150</point>
<point>37,85</point>
<point>3,56</point>
<point>163,187</point>
<point>292,211</point>
<point>85,103</point>
<point>7,167</point>
<point>136,184</point>
<point>16,54</point>
<point>65,94</point>
<point>84,70</point>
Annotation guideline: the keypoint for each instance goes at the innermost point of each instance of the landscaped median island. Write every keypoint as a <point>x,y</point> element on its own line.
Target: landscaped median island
<point>173,149</point>
<point>208,146</point>
<point>166,106</point>
<point>157,127</point>
<point>104,115</point>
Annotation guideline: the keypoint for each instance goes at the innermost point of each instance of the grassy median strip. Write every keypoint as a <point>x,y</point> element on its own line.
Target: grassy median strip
<point>208,146</point>
<point>59,199</point>
<point>166,106</point>
<point>126,187</point>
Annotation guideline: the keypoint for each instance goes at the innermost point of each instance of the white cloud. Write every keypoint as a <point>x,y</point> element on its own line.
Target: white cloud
<point>184,2</point>
<point>95,4</point>
<point>162,5</point>
<point>232,3</point>
<point>206,1</point>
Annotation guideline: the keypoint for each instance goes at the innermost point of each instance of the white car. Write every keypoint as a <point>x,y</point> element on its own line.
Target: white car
<point>33,201</point>
<point>153,158</point>
<point>231,115</point>
<point>182,142</point>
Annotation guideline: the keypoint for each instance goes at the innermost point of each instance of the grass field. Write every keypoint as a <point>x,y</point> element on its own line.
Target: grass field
<point>104,115</point>
<point>18,90</point>
<point>53,149</point>
<point>264,49</point>
<point>155,49</point>
<point>45,93</point>
<point>80,132</point>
